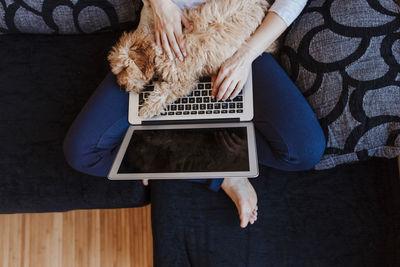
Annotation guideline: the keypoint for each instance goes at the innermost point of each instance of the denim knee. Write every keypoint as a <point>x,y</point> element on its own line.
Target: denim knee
<point>307,151</point>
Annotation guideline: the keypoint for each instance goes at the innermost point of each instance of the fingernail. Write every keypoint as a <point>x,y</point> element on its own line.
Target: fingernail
<point>184,53</point>
<point>170,57</point>
<point>180,58</point>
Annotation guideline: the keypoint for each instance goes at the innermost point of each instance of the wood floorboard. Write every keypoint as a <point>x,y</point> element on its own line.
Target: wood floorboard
<point>81,238</point>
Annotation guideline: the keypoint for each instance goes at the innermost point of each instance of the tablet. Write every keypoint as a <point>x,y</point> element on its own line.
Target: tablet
<point>212,150</point>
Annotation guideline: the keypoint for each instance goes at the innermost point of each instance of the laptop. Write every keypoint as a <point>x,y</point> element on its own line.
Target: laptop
<point>195,137</point>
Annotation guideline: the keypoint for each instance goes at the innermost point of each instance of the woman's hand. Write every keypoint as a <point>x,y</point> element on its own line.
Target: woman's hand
<point>168,20</point>
<point>145,182</point>
<point>233,74</point>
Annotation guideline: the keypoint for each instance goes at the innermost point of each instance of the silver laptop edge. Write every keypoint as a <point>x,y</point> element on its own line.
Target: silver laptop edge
<point>252,152</point>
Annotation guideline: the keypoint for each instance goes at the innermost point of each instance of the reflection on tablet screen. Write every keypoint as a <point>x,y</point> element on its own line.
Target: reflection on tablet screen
<point>187,150</point>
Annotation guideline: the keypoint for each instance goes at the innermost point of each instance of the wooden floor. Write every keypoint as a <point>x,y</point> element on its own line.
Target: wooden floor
<point>84,238</point>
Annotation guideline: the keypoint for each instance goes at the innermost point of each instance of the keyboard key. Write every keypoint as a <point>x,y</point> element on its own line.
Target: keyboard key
<point>205,79</point>
<point>163,113</point>
<point>171,113</point>
<point>232,111</point>
<point>209,112</point>
<point>195,106</point>
<point>208,85</point>
<point>178,113</point>
<point>224,105</point>
<point>199,100</point>
<point>228,100</point>
<point>191,100</point>
<point>188,107</point>
<point>239,105</point>
<point>193,112</point>
<point>224,111</point>
<point>148,88</point>
<point>201,111</point>
<point>191,93</point>
<point>186,112</point>
<point>213,99</point>
<point>146,95</point>
<point>216,111</point>
<point>240,111</point>
<point>217,105</point>
<point>168,107</point>
<point>204,93</point>
<point>173,107</point>
<point>206,99</point>
<point>141,101</point>
<point>184,100</point>
<point>178,101</point>
<point>197,93</point>
<point>202,106</point>
<point>181,107</point>
<point>238,98</point>
<point>200,86</point>
<point>231,105</point>
<point>210,106</point>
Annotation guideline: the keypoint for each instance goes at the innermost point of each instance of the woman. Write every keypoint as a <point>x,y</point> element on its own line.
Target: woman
<point>288,134</point>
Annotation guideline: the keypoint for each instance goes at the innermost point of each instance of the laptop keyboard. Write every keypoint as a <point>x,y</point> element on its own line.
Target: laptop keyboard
<point>198,102</point>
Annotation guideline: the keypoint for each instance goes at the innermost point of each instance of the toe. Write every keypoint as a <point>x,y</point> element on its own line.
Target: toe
<point>244,220</point>
<point>252,221</point>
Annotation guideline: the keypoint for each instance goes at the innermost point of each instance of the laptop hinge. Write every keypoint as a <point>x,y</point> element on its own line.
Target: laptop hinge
<point>189,121</point>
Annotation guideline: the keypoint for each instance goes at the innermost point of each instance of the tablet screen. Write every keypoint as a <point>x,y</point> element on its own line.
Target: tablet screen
<point>187,150</point>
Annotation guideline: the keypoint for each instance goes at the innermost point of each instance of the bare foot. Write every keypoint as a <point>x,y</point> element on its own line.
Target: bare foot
<point>244,196</point>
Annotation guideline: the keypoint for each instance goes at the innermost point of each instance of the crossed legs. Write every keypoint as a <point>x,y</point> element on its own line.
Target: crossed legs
<point>287,133</point>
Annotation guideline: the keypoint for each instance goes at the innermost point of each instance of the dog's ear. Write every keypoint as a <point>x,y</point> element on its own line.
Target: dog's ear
<point>143,56</point>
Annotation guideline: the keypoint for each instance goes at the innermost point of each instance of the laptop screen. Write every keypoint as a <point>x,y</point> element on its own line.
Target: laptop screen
<point>187,150</point>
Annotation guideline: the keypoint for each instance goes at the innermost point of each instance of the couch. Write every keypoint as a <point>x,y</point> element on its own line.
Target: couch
<point>343,216</point>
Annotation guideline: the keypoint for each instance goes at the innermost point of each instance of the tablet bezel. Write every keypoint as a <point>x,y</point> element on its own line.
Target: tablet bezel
<point>253,162</point>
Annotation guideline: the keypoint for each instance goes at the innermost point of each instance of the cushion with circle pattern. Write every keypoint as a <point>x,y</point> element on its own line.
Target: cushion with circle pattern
<point>67,16</point>
<point>345,58</point>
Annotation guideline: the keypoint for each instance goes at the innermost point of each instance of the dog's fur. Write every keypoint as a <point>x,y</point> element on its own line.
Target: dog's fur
<point>220,27</point>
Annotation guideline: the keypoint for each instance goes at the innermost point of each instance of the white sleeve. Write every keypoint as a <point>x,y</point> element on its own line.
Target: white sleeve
<point>288,10</point>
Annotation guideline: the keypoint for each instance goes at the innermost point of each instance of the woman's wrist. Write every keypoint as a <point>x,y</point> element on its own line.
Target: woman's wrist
<point>268,31</point>
<point>249,52</point>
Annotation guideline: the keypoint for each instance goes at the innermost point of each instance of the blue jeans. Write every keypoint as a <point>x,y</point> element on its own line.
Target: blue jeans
<point>288,135</point>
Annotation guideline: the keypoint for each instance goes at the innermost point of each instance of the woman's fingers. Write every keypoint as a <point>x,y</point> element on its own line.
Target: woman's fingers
<point>218,80</point>
<point>172,40</point>
<point>145,182</point>
<point>237,90</point>
<point>230,89</point>
<point>158,41</point>
<point>181,43</point>
<point>223,87</point>
<point>186,23</point>
<point>165,45</point>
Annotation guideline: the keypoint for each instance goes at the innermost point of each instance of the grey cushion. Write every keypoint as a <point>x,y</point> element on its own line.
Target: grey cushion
<point>67,16</point>
<point>345,58</point>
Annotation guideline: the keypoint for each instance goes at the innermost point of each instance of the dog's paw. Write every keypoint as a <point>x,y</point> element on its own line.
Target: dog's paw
<point>151,108</point>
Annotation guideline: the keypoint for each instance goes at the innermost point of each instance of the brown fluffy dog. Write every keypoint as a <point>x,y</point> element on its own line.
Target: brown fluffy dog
<point>220,27</point>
